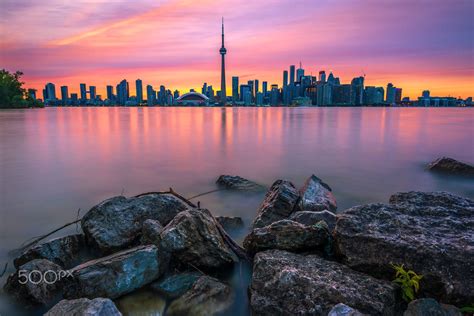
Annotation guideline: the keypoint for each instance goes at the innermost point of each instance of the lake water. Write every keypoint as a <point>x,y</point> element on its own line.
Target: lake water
<point>54,161</point>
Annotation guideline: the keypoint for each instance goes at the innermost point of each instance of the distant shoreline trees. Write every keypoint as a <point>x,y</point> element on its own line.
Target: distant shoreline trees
<point>12,93</point>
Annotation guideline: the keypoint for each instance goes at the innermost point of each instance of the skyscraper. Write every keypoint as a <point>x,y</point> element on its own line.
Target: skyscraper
<point>139,87</point>
<point>322,76</point>
<point>51,91</point>
<point>390,98</point>
<point>235,89</point>
<point>92,92</point>
<point>299,73</point>
<point>265,88</point>
<point>122,92</point>
<point>64,94</point>
<point>292,74</point>
<point>223,51</point>
<point>150,95</point>
<point>285,78</point>
<point>256,87</point>
<point>110,92</point>
<point>83,91</point>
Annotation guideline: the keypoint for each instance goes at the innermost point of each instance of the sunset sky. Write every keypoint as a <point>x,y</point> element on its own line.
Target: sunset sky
<point>416,45</point>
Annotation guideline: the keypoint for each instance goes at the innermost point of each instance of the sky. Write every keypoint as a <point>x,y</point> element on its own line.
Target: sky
<point>414,44</point>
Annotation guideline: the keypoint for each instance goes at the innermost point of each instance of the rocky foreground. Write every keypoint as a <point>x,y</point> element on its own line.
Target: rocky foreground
<point>306,259</point>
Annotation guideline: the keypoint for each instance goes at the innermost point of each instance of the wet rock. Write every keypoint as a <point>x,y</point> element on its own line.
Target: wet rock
<point>344,310</point>
<point>117,274</point>
<point>287,235</point>
<point>450,165</point>
<point>63,251</point>
<point>311,218</point>
<point>175,285</point>
<point>36,282</point>
<point>430,307</point>
<point>85,307</point>
<point>430,233</point>
<point>207,297</point>
<point>279,203</point>
<point>238,183</point>
<point>316,196</point>
<point>230,223</point>
<point>116,223</point>
<point>285,283</point>
<point>151,231</point>
<point>192,237</point>
<point>141,303</point>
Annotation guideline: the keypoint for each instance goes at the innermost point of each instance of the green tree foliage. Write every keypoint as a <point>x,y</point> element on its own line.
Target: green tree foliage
<point>409,281</point>
<point>12,93</point>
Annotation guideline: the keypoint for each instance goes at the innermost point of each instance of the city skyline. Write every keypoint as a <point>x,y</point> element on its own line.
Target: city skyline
<point>412,45</point>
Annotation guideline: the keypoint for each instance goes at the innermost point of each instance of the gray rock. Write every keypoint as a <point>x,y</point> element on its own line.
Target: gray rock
<point>311,218</point>
<point>316,196</point>
<point>279,203</point>
<point>193,238</point>
<point>287,235</point>
<point>36,282</point>
<point>116,223</point>
<point>63,251</point>
<point>238,183</point>
<point>151,231</point>
<point>207,297</point>
<point>344,310</point>
<point>230,223</point>
<point>117,274</point>
<point>84,307</point>
<point>430,307</point>
<point>430,233</point>
<point>175,285</point>
<point>285,283</point>
<point>450,165</point>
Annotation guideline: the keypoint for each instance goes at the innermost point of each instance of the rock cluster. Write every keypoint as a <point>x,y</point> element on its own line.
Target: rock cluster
<point>238,183</point>
<point>450,165</point>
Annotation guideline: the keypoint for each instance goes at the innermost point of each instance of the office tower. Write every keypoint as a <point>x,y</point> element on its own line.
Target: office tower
<point>426,94</point>
<point>64,94</point>
<point>274,95</point>
<point>162,95</point>
<point>122,92</point>
<point>322,76</point>
<point>150,95</point>
<point>331,78</point>
<point>110,92</point>
<point>235,89</point>
<point>51,91</point>
<point>292,74</point>
<point>259,99</point>
<point>223,51</point>
<point>390,98</point>
<point>357,91</point>
<point>246,94</point>
<point>74,99</point>
<point>83,91</point>
<point>250,84</point>
<point>204,88</point>
<point>299,73</point>
<point>398,95</point>
<point>32,94</point>
<point>139,89</point>
<point>176,94</point>
<point>210,93</point>
<point>285,78</point>
<point>341,94</point>
<point>373,95</point>
<point>256,87</point>
<point>265,88</point>
<point>327,94</point>
<point>92,92</point>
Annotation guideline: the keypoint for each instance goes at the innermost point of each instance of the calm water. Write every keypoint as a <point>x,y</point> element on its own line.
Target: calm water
<point>54,161</point>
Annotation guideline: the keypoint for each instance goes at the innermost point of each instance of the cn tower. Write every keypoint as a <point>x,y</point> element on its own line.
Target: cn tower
<point>223,51</point>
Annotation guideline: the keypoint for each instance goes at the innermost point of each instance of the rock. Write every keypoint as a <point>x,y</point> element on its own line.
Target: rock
<point>175,285</point>
<point>429,307</point>
<point>85,307</point>
<point>430,233</point>
<point>316,196</point>
<point>36,282</point>
<point>192,237</point>
<point>310,218</point>
<point>63,251</point>
<point>279,203</point>
<point>151,231</point>
<point>116,223</point>
<point>207,297</point>
<point>285,283</point>
<point>287,235</point>
<point>450,165</point>
<point>344,310</point>
<point>238,183</point>
<point>141,303</point>
<point>230,223</point>
<point>117,274</point>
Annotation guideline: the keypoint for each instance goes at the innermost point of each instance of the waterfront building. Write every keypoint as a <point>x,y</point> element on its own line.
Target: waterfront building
<point>92,92</point>
<point>83,89</point>
<point>235,89</point>
<point>274,95</point>
<point>342,94</point>
<point>398,95</point>
<point>122,92</point>
<point>223,51</point>
<point>162,100</point>
<point>285,78</point>
<point>299,73</point>
<point>139,90</point>
<point>265,89</point>
<point>204,88</point>
<point>176,94</point>
<point>259,99</point>
<point>256,86</point>
<point>193,98</point>
<point>357,91</point>
<point>292,74</point>
<point>50,90</point>
<point>246,94</point>
<point>32,94</point>
<point>64,95</point>
<point>390,98</point>
<point>150,95</point>
<point>74,99</point>
<point>110,93</point>
<point>322,76</point>
<point>373,95</point>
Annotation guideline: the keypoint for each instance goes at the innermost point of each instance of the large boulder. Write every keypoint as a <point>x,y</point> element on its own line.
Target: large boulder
<point>85,307</point>
<point>430,307</point>
<point>116,223</point>
<point>288,235</point>
<point>238,183</point>
<point>151,231</point>
<point>279,203</point>
<point>450,165</point>
<point>207,297</point>
<point>117,274</point>
<point>285,283</point>
<point>37,282</point>
<point>175,285</point>
<point>63,251</point>
<point>310,218</point>
<point>230,223</point>
<point>316,196</point>
<point>193,238</point>
<point>344,310</point>
<point>430,233</point>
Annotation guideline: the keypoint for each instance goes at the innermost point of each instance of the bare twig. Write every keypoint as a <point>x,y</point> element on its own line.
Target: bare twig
<point>206,193</point>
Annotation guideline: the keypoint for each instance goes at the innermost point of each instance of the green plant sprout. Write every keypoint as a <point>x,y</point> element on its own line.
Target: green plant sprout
<point>409,281</point>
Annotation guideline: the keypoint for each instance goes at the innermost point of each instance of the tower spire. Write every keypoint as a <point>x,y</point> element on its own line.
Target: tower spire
<point>223,51</point>
<point>222,31</point>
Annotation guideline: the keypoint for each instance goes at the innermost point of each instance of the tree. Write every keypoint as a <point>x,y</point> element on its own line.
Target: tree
<point>12,93</point>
